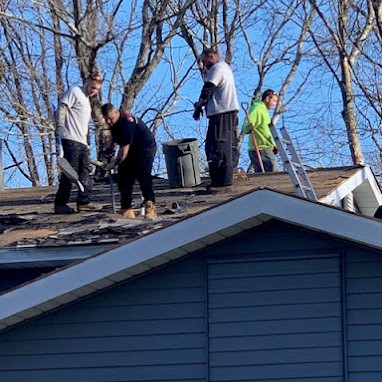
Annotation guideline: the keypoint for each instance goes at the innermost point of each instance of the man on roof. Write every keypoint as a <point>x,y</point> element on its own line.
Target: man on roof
<point>219,97</point>
<point>258,115</point>
<point>72,121</point>
<point>135,158</point>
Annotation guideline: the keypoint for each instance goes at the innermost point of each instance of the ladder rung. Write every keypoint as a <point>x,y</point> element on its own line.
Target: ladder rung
<point>303,186</point>
<point>294,167</point>
<point>296,164</point>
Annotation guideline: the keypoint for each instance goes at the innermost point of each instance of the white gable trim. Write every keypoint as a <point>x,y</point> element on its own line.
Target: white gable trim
<point>177,240</point>
<point>363,185</point>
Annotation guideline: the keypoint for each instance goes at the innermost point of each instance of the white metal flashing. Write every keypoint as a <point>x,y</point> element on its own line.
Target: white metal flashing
<point>177,240</point>
<point>47,256</point>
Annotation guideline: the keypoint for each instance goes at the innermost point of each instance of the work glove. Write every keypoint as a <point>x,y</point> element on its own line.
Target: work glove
<point>110,166</point>
<point>113,164</point>
<point>197,112</point>
<point>275,150</point>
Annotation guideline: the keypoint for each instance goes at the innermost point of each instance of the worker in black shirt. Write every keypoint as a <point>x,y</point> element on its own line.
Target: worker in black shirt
<point>135,158</point>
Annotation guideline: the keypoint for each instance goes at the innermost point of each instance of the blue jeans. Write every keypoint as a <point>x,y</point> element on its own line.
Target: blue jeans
<point>268,158</point>
<point>77,155</point>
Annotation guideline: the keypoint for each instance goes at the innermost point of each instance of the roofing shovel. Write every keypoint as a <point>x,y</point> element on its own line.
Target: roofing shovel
<point>98,163</point>
<point>245,107</point>
<point>112,191</point>
<point>69,171</point>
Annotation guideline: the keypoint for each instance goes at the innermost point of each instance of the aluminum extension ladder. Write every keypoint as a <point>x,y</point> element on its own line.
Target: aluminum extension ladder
<point>293,165</point>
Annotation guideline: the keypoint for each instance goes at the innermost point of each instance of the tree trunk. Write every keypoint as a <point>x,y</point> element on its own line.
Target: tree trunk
<point>348,113</point>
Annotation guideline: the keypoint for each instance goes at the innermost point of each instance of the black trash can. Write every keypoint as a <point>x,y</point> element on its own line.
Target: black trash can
<point>182,162</point>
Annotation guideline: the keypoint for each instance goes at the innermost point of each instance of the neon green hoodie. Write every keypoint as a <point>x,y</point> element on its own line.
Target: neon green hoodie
<point>260,120</point>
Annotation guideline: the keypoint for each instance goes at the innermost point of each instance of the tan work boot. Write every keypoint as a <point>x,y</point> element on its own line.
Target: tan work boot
<point>128,213</point>
<point>150,212</point>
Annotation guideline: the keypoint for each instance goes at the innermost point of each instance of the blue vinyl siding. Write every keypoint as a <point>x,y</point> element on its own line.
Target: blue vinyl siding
<point>264,306</point>
<point>275,320</point>
<point>364,315</point>
<point>150,329</point>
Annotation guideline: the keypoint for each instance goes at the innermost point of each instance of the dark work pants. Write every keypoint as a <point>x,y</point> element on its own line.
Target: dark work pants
<point>219,140</point>
<point>77,155</point>
<point>136,166</point>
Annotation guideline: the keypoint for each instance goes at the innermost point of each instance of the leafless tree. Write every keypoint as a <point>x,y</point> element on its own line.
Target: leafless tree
<point>25,105</point>
<point>147,51</point>
<point>339,38</point>
<point>368,78</point>
<point>216,24</point>
<point>284,44</point>
<point>53,44</point>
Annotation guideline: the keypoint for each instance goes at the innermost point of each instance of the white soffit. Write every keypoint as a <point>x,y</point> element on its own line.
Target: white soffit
<point>178,240</point>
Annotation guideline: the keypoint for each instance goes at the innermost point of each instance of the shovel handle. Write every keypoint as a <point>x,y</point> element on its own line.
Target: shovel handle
<point>80,186</point>
<point>245,107</point>
<point>112,192</point>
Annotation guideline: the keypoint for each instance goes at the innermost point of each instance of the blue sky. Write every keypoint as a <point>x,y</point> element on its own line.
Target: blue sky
<point>313,118</point>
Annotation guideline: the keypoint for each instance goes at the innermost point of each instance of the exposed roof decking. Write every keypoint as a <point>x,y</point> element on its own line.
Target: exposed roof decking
<point>26,218</point>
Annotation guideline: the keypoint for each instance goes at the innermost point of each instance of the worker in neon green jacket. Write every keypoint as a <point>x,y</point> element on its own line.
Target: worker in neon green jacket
<point>260,119</point>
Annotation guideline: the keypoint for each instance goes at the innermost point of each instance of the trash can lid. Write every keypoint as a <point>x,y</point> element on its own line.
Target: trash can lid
<point>176,142</point>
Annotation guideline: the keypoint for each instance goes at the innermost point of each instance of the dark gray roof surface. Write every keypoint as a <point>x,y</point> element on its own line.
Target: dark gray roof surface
<point>27,219</point>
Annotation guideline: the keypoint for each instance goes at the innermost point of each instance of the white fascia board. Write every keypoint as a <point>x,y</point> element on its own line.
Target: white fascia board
<point>363,175</point>
<point>87,276</point>
<point>329,220</point>
<point>334,198</point>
